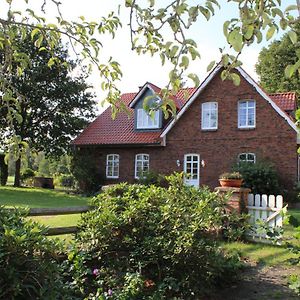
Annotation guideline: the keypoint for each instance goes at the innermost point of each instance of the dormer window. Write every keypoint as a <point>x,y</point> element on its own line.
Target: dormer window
<point>147,121</point>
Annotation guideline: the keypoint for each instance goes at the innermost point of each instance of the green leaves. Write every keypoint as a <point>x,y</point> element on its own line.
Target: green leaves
<point>293,36</point>
<point>271,32</point>
<point>235,39</point>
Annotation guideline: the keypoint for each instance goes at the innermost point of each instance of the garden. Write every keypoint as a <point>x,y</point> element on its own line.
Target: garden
<point>141,241</point>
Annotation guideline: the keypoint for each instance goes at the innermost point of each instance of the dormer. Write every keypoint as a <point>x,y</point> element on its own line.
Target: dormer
<point>143,119</point>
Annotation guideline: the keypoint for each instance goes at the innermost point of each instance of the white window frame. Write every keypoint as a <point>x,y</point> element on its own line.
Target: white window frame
<point>115,160</point>
<point>189,181</point>
<point>209,109</point>
<point>247,113</point>
<point>143,162</point>
<point>146,121</point>
<point>247,160</point>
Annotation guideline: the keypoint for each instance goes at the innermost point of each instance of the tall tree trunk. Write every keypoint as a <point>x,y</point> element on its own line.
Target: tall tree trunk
<point>17,182</point>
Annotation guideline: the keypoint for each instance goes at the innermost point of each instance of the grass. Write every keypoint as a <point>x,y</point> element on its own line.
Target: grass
<point>269,255</point>
<point>36,197</point>
<point>44,198</point>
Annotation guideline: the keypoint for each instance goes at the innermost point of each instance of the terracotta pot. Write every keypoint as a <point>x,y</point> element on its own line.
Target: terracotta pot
<point>231,182</point>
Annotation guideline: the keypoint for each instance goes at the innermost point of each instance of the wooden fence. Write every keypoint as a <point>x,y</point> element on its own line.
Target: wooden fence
<point>267,208</point>
<point>56,212</point>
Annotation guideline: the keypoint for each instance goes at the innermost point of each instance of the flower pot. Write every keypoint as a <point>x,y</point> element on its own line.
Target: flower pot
<point>231,182</point>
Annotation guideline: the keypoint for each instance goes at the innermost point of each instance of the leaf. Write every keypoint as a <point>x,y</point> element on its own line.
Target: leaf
<point>195,79</point>
<point>270,32</point>
<point>211,65</point>
<point>236,79</point>
<point>293,36</point>
<point>34,32</point>
<point>289,71</point>
<point>235,39</point>
<point>184,62</point>
<point>291,7</point>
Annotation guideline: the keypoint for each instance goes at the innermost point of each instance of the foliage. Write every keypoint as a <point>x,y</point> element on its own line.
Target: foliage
<point>29,262</point>
<point>272,62</point>
<point>234,226</point>
<point>3,170</point>
<point>149,242</point>
<point>27,176</point>
<point>85,172</point>
<point>151,177</point>
<point>232,175</point>
<point>260,177</point>
<point>65,180</point>
<point>150,23</point>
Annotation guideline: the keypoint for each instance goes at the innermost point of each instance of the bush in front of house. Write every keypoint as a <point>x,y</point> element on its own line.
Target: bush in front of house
<point>260,177</point>
<point>29,264</point>
<point>149,242</point>
<point>84,169</point>
<point>65,180</point>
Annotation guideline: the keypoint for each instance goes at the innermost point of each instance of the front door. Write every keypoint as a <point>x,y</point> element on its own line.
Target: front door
<point>192,169</point>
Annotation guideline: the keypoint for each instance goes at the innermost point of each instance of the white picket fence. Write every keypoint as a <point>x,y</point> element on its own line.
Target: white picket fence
<point>267,208</point>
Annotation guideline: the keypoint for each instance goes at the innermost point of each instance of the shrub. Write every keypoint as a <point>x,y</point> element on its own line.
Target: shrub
<point>29,265</point>
<point>260,177</point>
<point>27,176</point>
<point>84,170</point>
<point>151,177</point>
<point>65,180</point>
<point>149,242</point>
<point>233,175</point>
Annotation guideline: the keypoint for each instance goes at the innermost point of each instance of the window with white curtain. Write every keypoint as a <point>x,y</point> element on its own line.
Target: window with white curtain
<point>147,121</point>
<point>209,115</point>
<point>246,114</point>
<point>141,165</point>
<point>247,157</point>
<point>112,166</point>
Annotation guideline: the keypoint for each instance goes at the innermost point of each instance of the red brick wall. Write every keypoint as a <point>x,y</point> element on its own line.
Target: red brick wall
<point>272,139</point>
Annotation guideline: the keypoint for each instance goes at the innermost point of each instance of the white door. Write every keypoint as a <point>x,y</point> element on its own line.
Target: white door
<point>192,169</point>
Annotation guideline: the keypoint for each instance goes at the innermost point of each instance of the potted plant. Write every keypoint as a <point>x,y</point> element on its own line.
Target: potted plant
<point>233,179</point>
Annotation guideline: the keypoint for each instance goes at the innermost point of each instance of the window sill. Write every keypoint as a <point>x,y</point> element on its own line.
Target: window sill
<point>110,177</point>
<point>209,129</point>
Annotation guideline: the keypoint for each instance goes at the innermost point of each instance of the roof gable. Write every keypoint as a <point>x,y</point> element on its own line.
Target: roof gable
<point>208,79</point>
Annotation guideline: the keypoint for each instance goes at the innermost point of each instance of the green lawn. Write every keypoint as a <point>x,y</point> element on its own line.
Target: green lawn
<point>35,197</point>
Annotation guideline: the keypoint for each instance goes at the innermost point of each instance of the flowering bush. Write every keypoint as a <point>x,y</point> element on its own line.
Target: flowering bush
<point>149,242</point>
<point>29,262</point>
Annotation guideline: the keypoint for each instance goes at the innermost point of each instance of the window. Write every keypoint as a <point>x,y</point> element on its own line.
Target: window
<point>247,157</point>
<point>209,115</point>
<point>112,166</point>
<point>145,121</point>
<point>141,165</point>
<point>246,114</point>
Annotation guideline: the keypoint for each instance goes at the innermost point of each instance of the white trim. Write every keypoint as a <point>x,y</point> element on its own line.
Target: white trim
<point>148,118</point>
<point>192,99</point>
<point>247,153</point>
<point>238,106</point>
<point>140,93</point>
<point>114,160</point>
<point>210,110</point>
<point>135,163</point>
<point>266,97</point>
<point>198,167</point>
<point>250,80</point>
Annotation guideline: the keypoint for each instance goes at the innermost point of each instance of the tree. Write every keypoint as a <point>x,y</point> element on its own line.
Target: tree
<point>149,22</point>
<point>272,62</point>
<point>56,105</point>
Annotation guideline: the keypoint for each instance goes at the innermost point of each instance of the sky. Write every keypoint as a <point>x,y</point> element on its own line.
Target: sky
<point>138,69</point>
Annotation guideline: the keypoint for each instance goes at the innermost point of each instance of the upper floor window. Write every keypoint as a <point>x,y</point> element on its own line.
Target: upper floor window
<point>246,114</point>
<point>141,165</point>
<point>247,157</point>
<point>147,121</point>
<point>112,165</point>
<point>209,115</point>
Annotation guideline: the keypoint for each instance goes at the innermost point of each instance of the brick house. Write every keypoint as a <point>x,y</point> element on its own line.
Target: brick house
<point>216,125</point>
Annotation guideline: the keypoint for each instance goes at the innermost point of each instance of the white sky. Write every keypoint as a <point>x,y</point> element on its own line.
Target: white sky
<point>139,69</point>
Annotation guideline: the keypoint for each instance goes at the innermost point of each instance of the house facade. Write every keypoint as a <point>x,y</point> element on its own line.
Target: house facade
<point>217,125</point>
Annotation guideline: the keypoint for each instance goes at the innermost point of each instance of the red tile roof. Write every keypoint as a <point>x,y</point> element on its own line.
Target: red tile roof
<point>106,131</point>
<point>286,101</point>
